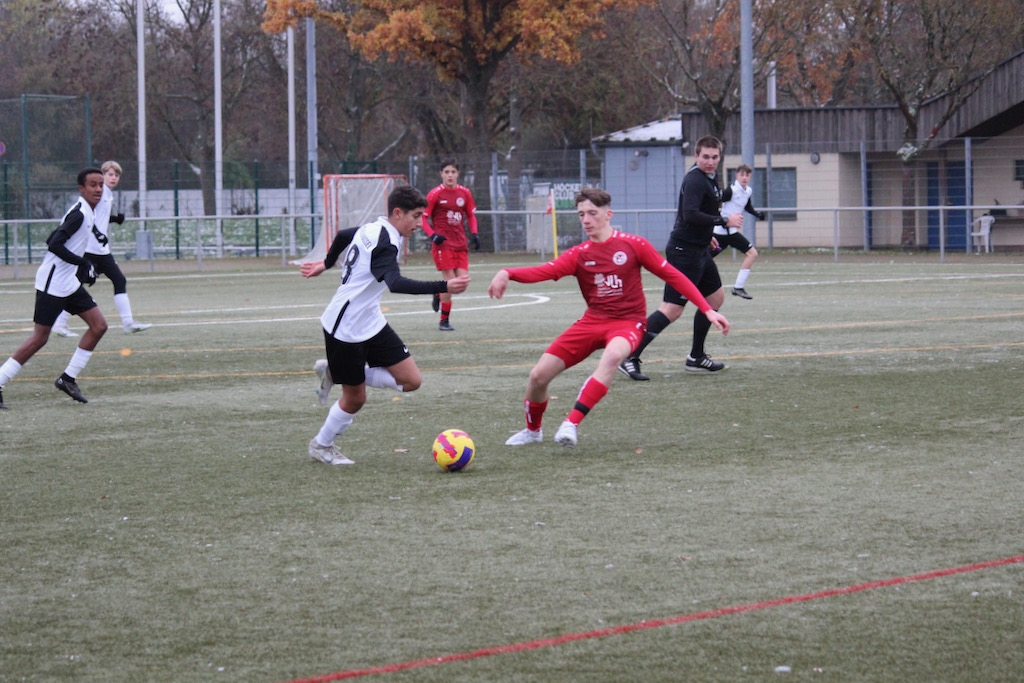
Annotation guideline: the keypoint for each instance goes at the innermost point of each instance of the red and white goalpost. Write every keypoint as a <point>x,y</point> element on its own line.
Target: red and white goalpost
<point>350,200</point>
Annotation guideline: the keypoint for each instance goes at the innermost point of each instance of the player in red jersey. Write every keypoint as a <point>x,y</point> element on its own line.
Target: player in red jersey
<point>607,268</point>
<point>449,205</point>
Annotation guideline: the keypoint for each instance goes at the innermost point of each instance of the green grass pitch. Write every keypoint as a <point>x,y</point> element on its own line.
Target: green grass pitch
<point>869,426</point>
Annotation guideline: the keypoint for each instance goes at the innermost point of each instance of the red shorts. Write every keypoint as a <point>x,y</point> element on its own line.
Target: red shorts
<point>587,335</point>
<point>450,259</point>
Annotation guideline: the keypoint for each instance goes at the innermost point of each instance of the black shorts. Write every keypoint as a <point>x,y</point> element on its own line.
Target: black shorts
<point>696,264</point>
<point>736,240</point>
<point>106,265</point>
<point>347,360</point>
<point>48,306</point>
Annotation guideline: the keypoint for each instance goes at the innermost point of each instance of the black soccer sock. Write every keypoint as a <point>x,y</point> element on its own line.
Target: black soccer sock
<point>656,322</point>
<point>701,327</point>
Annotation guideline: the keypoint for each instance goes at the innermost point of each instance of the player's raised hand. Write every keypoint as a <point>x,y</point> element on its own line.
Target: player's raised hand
<point>718,320</point>
<point>312,268</point>
<point>498,285</point>
<point>458,285</point>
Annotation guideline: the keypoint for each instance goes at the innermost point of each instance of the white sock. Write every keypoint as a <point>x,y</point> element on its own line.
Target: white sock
<point>741,278</point>
<point>336,423</point>
<point>77,362</point>
<point>380,378</point>
<point>8,370</point>
<point>62,321</point>
<point>124,309</point>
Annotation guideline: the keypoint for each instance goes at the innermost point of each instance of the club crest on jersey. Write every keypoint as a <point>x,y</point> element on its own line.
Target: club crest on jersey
<point>619,258</point>
<point>460,202</point>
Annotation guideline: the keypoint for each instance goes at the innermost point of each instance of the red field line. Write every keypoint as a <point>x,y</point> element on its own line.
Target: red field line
<point>657,623</point>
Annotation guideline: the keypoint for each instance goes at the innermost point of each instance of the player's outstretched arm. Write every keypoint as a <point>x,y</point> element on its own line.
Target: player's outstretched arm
<point>458,285</point>
<point>313,268</point>
<point>718,320</point>
<point>498,285</point>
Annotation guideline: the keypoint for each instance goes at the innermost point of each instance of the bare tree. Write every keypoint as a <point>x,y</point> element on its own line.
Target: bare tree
<point>692,49</point>
<point>927,49</point>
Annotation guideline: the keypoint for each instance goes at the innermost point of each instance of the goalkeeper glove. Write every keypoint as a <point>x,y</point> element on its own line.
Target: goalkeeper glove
<point>476,241</point>
<point>761,215</point>
<point>86,273</point>
<point>437,238</point>
<point>117,218</point>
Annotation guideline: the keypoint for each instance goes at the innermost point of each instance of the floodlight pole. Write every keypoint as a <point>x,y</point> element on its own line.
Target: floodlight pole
<point>747,99</point>
<point>312,146</point>
<point>140,56</point>
<point>24,154</point>
<point>291,139</point>
<point>218,125</point>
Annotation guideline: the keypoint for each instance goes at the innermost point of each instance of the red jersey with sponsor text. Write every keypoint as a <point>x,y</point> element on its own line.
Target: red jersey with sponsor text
<point>609,275</point>
<point>447,209</point>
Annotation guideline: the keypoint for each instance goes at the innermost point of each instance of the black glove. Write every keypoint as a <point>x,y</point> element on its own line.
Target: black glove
<point>438,238</point>
<point>86,274</point>
<point>476,241</point>
<point>761,215</point>
<point>117,218</point>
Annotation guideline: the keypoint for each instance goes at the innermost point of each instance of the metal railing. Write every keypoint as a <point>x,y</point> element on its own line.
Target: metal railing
<point>283,236</point>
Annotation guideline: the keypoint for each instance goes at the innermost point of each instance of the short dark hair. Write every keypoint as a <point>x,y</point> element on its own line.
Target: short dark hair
<point>406,198</point>
<point>708,141</point>
<point>85,172</point>
<point>449,161</point>
<point>743,168</point>
<point>596,195</point>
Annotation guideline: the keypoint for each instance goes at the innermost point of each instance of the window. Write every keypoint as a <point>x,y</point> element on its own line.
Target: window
<point>783,191</point>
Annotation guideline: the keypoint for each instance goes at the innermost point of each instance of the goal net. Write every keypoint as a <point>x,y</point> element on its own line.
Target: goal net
<point>350,201</point>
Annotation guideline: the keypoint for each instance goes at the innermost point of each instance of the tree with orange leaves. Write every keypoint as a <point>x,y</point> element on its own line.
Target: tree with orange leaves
<point>466,40</point>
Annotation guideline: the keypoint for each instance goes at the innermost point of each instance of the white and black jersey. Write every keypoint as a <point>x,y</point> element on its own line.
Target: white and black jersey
<point>369,266</point>
<point>58,273</point>
<point>99,242</point>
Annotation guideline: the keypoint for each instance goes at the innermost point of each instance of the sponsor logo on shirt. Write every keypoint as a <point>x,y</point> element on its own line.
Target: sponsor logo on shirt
<point>608,285</point>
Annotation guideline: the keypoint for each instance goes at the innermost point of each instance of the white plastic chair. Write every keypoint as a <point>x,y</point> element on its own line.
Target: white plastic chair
<point>983,236</point>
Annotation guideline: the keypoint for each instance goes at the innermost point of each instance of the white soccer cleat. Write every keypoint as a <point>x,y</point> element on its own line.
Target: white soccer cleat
<point>132,328</point>
<point>566,434</point>
<point>329,455</point>
<point>323,373</point>
<point>64,332</point>
<point>524,437</point>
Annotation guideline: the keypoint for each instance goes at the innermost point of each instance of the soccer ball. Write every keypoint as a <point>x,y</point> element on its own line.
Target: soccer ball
<point>453,450</point>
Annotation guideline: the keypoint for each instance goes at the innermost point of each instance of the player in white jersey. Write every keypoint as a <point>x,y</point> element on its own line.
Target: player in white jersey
<point>59,287</point>
<point>362,349</point>
<point>98,253</point>
<point>736,200</point>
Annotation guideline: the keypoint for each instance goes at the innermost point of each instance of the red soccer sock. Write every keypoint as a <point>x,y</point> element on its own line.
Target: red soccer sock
<point>534,414</point>
<point>446,310</point>
<point>591,393</point>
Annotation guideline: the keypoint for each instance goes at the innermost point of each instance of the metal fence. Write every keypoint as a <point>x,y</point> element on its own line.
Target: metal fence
<point>281,237</point>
